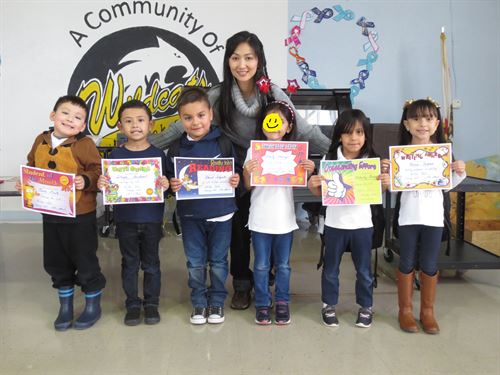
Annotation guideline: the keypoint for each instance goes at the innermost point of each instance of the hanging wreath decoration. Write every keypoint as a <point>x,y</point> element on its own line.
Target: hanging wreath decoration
<point>337,14</point>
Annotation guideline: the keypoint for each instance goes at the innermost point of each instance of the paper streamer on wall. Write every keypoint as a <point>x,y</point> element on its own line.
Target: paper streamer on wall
<point>321,16</point>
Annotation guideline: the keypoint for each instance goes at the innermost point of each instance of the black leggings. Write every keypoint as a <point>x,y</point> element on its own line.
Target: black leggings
<point>240,246</point>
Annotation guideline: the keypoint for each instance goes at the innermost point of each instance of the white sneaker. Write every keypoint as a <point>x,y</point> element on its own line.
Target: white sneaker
<point>198,316</point>
<point>215,315</point>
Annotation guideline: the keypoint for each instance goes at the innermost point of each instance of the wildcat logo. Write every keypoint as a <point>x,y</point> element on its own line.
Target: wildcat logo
<point>145,63</point>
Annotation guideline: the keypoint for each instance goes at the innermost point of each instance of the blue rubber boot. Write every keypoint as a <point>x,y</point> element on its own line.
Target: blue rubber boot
<point>65,318</point>
<point>92,311</point>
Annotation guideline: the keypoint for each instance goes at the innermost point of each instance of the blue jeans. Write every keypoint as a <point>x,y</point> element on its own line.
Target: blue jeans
<point>359,241</point>
<point>139,247</point>
<point>280,246</point>
<point>420,245</point>
<point>206,243</point>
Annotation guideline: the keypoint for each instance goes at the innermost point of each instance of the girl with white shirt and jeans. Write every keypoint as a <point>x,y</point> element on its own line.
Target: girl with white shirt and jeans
<point>272,219</point>
<point>348,227</point>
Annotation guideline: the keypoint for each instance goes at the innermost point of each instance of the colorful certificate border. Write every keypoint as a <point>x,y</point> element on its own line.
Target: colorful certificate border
<point>355,182</point>
<point>66,181</point>
<point>154,193</point>
<point>420,153</point>
<point>299,149</point>
<point>190,187</point>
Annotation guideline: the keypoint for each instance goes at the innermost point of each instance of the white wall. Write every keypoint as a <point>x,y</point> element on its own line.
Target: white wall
<point>39,56</point>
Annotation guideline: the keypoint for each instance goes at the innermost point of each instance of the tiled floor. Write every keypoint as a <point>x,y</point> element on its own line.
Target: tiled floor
<point>468,311</point>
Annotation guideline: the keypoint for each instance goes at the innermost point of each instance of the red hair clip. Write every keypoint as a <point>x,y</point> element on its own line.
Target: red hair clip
<point>264,84</point>
<point>293,86</point>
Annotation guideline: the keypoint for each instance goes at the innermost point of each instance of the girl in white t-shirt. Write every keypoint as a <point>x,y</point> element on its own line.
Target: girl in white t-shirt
<point>272,219</point>
<point>348,227</point>
<point>421,220</point>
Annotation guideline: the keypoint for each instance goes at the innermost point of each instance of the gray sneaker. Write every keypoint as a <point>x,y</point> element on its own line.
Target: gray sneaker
<point>329,316</point>
<point>365,317</point>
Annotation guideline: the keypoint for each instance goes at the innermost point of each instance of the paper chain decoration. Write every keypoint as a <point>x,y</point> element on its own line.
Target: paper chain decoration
<point>337,14</point>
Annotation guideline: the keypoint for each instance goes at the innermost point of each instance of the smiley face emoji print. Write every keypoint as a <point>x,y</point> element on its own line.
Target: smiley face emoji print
<point>272,123</point>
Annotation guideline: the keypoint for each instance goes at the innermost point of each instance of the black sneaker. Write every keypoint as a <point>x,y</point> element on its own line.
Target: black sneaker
<point>365,317</point>
<point>241,300</point>
<point>329,316</point>
<point>215,315</point>
<point>282,313</point>
<point>133,316</point>
<point>263,316</point>
<point>151,315</point>
<point>198,316</point>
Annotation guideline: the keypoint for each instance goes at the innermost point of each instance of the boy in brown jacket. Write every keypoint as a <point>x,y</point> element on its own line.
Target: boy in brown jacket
<point>70,244</point>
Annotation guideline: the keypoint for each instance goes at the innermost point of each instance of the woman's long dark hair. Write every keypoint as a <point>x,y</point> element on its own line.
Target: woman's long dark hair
<point>226,105</point>
<point>345,125</point>
<point>287,112</point>
<point>416,109</point>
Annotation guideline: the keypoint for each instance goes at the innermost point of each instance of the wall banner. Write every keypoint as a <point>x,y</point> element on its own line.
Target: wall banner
<point>148,63</point>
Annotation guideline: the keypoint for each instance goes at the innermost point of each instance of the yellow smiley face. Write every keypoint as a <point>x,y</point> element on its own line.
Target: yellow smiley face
<point>272,123</point>
<point>64,180</point>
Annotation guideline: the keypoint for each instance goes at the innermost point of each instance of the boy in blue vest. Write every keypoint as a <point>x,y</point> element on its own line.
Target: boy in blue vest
<point>206,223</point>
<point>138,225</point>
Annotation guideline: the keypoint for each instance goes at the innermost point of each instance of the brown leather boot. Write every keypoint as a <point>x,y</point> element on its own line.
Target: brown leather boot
<point>427,298</point>
<point>405,292</point>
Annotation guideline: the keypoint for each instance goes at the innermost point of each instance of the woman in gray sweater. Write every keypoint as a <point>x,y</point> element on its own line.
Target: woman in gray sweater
<point>237,103</point>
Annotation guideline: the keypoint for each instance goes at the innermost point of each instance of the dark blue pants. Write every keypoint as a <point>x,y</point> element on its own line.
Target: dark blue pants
<point>206,243</point>
<point>420,244</point>
<point>359,241</point>
<point>139,247</point>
